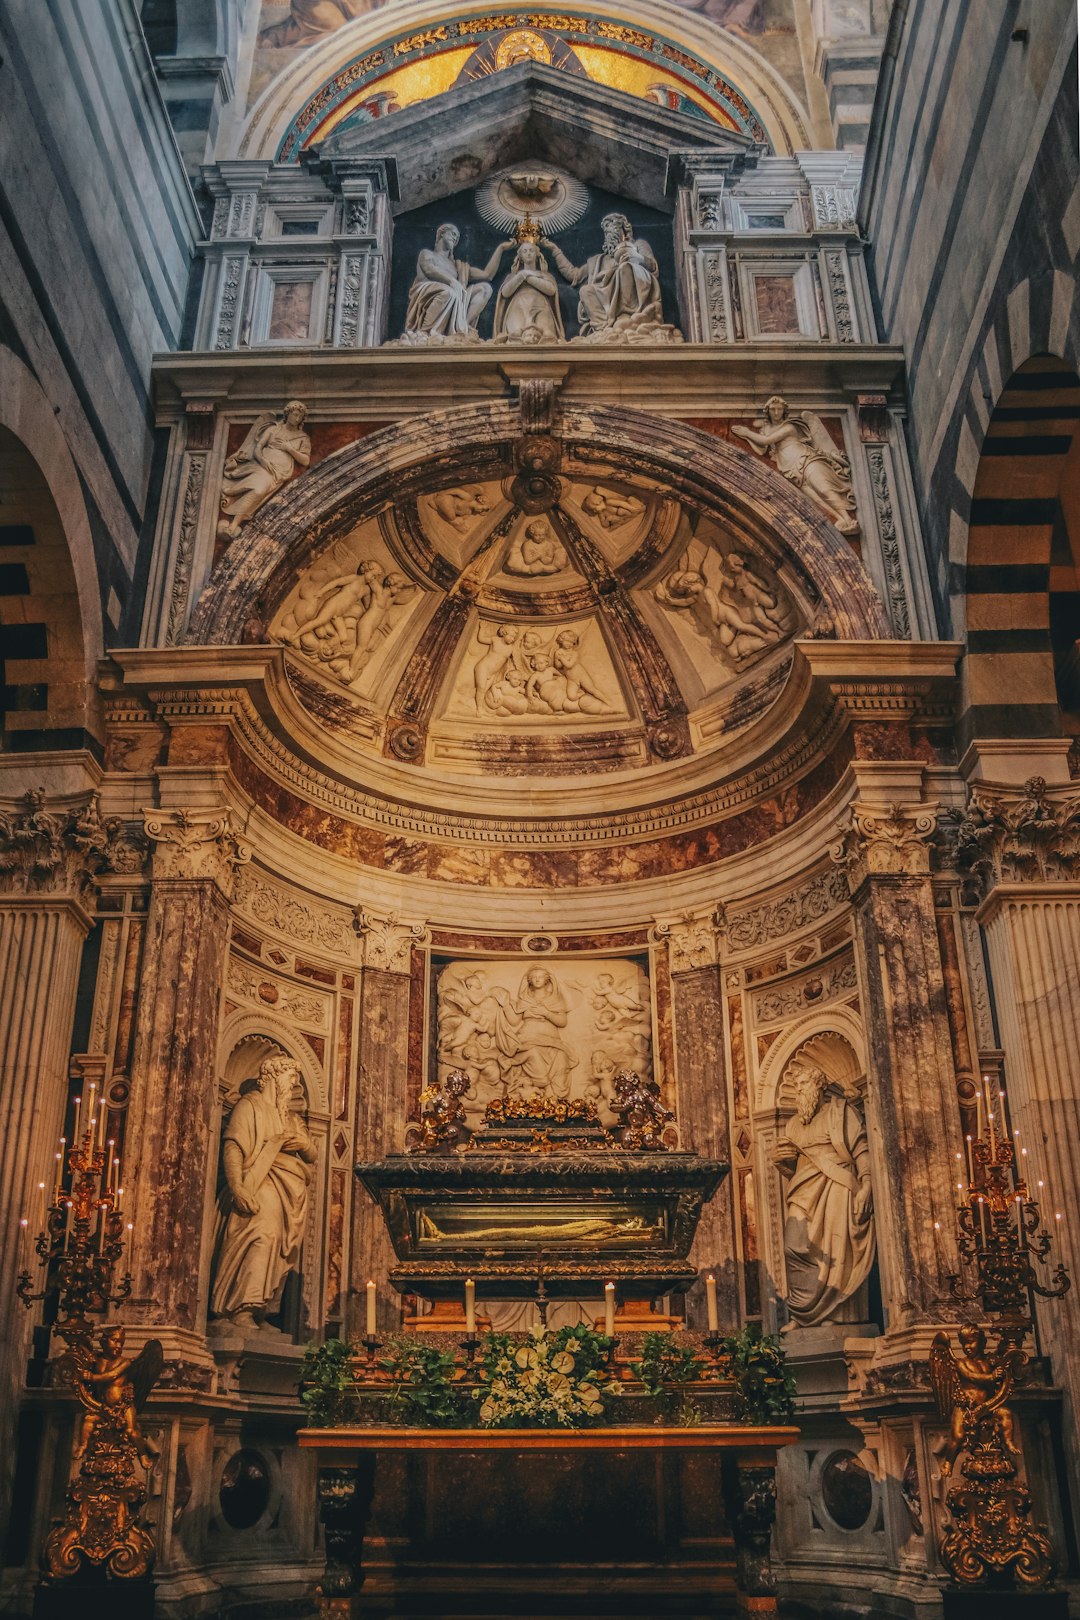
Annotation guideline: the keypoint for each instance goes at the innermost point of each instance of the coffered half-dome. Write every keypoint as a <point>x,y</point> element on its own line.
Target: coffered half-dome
<point>607,593</point>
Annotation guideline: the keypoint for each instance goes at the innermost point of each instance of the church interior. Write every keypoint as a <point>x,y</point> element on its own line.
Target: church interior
<point>539,809</point>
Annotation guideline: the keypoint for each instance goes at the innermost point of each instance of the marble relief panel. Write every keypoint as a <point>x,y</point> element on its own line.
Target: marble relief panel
<point>535,673</point>
<point>558,1029</point>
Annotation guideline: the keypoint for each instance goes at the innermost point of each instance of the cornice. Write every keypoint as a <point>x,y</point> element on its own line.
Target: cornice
<point>692,379</point>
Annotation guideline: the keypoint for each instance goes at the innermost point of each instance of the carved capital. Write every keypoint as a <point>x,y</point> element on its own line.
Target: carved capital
<point>195,844</point>
<point>1027,835</point>
<point>60,851</point>
<point>891,843</point>
<point>387,942</point>
<point>693,940</point>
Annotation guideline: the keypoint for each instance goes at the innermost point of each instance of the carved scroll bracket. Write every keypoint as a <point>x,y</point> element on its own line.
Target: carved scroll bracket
<point>196,845</point>
<point>388,941</point>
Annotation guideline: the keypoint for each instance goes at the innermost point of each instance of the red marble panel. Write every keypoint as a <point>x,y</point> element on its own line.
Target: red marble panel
<point>344,1055</point>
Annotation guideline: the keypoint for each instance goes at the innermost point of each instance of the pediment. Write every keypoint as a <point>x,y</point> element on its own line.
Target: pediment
<point>607,138</point>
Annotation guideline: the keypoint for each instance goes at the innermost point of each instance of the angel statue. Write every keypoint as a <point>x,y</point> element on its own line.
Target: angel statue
<point>804,454</point>
<point>971,1390</point>
<point>275,448</point>
<point>101,1524</point>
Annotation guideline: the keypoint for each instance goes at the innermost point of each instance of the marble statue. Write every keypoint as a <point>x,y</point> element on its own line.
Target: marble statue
<point>829,1229</point>
<point>802,452</point>
<point>536,553</point>
<point>527,306</point>
<point>448,295</point>
<point>276,447</point>
<point>618,288</point>
<point>533,673</point>
<point>610,510</point>
<point>344,622</point>
<point>266,1154</point>
<point>729,605</point>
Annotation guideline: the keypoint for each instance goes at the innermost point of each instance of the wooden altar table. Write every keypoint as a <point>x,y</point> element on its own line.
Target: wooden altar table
<point>746,1462</point>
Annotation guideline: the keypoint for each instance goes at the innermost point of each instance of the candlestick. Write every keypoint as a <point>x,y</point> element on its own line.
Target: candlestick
<point>59,1167</point>
<point>371,1310</point>
<point>470,1308</point>
<point>710,1303</point>
<point>970,1162</point>
<point>609,1309</point>
<point>67,1224</point>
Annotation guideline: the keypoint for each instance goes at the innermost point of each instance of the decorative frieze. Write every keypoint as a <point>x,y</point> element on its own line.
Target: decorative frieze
<point>302,920</point>
<point>388,941</point>
<point>300,1006</point>
<point>890,542</point>
<point>815,989</point>
<point>748,929</point>
<point>185,548</point>
<point>1021,836</point>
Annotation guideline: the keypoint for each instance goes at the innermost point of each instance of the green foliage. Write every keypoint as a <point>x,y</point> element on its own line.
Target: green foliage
<point>421,1383</point>
<point>325,1379</point>
<point>665,1361</point>
<point>764,1384</point>
<point>552,1380</point>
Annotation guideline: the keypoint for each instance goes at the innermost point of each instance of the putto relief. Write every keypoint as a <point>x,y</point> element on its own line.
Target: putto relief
<point>728,599</point>
<point>532,671</point>
<point>345,612</point>
<point>554,1030</point>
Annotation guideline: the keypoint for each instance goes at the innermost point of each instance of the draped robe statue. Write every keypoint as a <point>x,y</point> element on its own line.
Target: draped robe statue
<point>447,294</point>
<point>266,1151</point>
<point>829,1231</point>
<point>619,287</point>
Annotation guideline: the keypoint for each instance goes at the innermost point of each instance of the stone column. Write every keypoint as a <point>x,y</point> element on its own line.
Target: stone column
<point>174,1062</point>
<point>704,1112</point>
<point>1023,846</point>
<point>913,1115</point>
<point>381,1106</point>
<point>48,853</point>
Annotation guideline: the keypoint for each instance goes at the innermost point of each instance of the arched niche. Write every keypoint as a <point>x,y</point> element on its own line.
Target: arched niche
<point>247,1038</point>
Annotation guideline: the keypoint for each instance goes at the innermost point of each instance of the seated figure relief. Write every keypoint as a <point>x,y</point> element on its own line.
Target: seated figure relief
<point>536,553</point>
<point>726,599</point>
<point>447,294</point>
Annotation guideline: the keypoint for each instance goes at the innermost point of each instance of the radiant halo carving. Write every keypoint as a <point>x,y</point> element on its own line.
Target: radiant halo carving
<point>553,199</point>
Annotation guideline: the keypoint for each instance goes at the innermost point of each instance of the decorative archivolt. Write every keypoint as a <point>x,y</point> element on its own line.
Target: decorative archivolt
<point>832,1040</point>
<point>247,1037</point>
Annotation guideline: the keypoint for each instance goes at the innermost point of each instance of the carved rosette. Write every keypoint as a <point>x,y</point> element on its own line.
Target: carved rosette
<point>195,844</point>
<point>60,851</point>
<point>693,939</point>
<point>894,842</point>
<point>1028,835</point>
<point>387,942</point>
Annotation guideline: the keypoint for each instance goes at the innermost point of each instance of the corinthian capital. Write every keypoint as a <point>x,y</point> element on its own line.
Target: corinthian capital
<point>1026,835</point>
<point>894,842</point>
<point>195,844</point>
<point>59,850</point>
<point>693,939</point>
<point>388,941</point>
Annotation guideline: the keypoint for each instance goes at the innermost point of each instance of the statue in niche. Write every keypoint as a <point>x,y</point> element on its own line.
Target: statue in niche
<point>713,594</point>
<point>829,1228</point>
<point>618,288</point>
<point>448,295</point>
<point>527,306</point>
<point>266,1153</point>
<point>532,673</point>
<point>276,447</point>
<point>351,613</point>
<point>802,452</point>
<point>611,511</point>
<point>538,1061</point>
<point>536,553</point>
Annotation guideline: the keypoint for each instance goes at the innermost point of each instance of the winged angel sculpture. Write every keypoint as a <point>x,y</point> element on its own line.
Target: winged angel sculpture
<point>799,446</point>
<point>101,1525</point>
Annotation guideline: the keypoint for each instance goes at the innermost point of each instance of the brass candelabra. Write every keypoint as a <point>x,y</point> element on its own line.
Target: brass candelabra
<point>79,1249</point>
<point>1005,1255</point>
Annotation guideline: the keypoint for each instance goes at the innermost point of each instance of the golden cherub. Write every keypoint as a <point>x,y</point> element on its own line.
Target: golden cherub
<point>971,1390</point>
<point>112,1388</point>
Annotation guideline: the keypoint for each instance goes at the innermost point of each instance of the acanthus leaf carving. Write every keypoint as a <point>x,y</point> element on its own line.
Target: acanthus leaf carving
<point>287,914</point>
<point>196,845</point>
<point>304,1007</point>
<point>693,940</point>
<point>895,842</point>
<point>388,941</point>
<point>760,924</point>
<point>1026,836</point>
<point>45,851</point>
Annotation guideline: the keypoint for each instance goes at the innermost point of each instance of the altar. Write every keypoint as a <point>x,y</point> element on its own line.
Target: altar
<point>612,1520</point>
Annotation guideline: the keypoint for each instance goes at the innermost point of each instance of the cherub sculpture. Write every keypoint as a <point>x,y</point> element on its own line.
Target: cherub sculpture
<point>441,1126</point>
<point>112,1389</point>
<point>645,1125</point>
<point>971,1391</point>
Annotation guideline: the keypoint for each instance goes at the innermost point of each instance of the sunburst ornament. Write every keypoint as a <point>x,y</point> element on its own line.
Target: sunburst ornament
<point>545,197</point>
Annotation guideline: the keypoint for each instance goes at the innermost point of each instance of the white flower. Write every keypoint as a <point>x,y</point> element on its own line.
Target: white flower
<point>526,1356</point>
<point>562,1362</point>
<point>589,1394</point>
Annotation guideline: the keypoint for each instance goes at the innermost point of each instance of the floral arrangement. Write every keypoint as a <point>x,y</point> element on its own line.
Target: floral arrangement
<point>555,1380</point>
<point>325,1381</point>
<point>422,1389</point>
<point>512,1110</point>
<point>665,1366</point>
<point>764,1383</point>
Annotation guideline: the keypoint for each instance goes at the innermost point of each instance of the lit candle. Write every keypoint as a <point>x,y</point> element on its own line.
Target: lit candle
<point>609,1309</point>
<point>970,1162</point>
<point>470,1308</point>
<point>60,1167</point>
<point>24,1242</point>
<point>982,1219</point>
<point>371,1310</point>
<point>119,1199</point>
<point>710,1303</point>
<point>1020,1220</point>
<point>978,1110</point>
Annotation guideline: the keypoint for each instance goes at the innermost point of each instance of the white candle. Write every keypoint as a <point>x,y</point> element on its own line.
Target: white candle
<point>710,1303</point>
<point>371,1310</point>
<point>609,1309</point>
<point>67,1224</point>
<point>60,1167</point>
<point>24,1242</point>
<point>470,1308</point>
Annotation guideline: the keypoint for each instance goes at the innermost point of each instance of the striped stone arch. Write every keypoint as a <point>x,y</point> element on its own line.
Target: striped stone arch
<point>1018,602</point>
